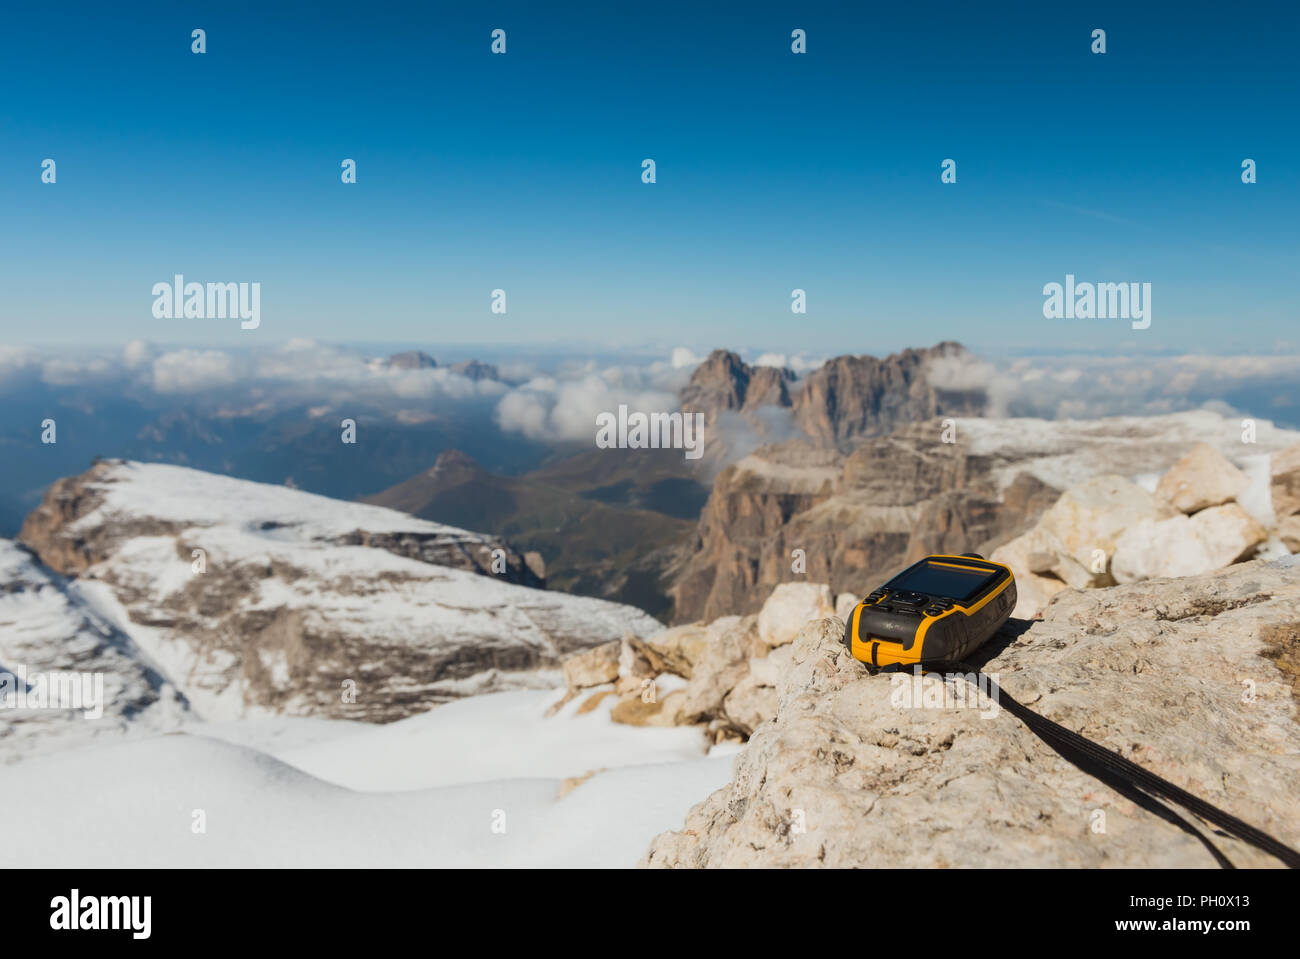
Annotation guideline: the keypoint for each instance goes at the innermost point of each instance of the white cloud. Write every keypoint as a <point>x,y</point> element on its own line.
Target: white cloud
<point>564,408</point>
<point>192,371</point>
<point>75,372</point>
<point>1084,387</point>
<point>16,362</point>
<point>682,357</point>
<point>560,402</point>
<point>301,370</point>
<point>524,411</point>
<point>138,353</point>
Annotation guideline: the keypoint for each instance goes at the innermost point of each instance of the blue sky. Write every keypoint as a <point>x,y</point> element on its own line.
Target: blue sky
<point>775,171</point>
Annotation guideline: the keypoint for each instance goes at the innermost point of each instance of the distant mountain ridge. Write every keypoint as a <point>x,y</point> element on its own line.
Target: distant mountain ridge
<point>846,399</point>
<point>605,523</point>
<point>420,360</point>
<point>618,523</point>
<point>858,517</point>
<point>256,599</point>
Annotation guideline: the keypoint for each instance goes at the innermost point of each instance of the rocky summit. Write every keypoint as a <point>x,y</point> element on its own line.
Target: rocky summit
<point>845,400</point>
<point>255,599</point>
<point>1195,679</point>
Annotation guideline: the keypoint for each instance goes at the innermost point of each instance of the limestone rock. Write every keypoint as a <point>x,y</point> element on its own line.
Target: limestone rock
<point>1033,593</point>
<point>1186,546</point>
<point>753,700</point>
<point>789,607</point>
<point>633,710</point>
<point>1285,469</point>
<point>684,644</point>
<point>592,667</point>
<point>1036,584</point>
<point>1202,478</point>
<point>724,664</point>
<point>726,383</point>
<point>1041,552</point>
<point>1092,515</point>
<point>1288,531</point>
<point>535,562</point>
<point>750,704</point>
<point>767,670</point>
<point>845,775</point>
<point>1153,549</point>
<point>639,661</point>
<point>1228,533</point>
<point>570,783</point>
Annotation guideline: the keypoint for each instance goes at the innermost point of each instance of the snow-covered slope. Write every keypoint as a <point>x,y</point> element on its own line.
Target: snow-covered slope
<point>509,740</point>
<point>261,600</point>
<point>177,494</point>
<point>85,516</point>
<point>44,629</point>
<point>474,795</point>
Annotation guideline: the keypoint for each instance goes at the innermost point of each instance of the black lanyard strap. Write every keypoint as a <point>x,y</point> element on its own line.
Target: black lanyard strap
<point>1129,779</point>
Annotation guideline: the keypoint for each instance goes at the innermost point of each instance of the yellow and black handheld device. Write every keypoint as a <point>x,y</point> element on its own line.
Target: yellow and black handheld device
<point>936,611</point>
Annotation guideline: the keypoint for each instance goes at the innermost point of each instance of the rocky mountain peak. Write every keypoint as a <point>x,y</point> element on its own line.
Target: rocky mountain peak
<point>726,382</point>
<point>474,370</point>
<point>257,599</point>
<point>847,399</point>
<point>851,397</point>
<point>455,466</point>
<point>412,360</point>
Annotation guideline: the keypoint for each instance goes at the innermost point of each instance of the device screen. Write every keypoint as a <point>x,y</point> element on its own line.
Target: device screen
<point>951,582</point>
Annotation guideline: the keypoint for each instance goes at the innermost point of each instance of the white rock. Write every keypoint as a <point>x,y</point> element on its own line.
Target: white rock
<point>1033,590</point>
<point>1092,515</point>
<point>1152,549</point>
<point>1228,533</point>
<point>1033,593</point>
<point>751,704</point>
<point>721,627</point>
<point>1202,478</point>
<point>724,664</point>
<point>1186,546</point>
<point>789,607</point>
<point>767,670</point>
